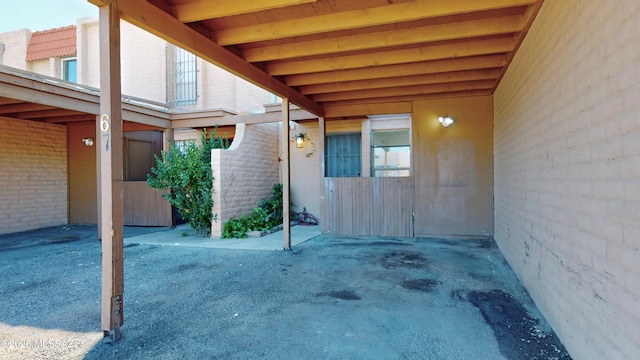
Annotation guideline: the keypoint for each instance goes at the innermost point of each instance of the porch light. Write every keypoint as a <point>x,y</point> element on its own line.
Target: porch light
<point>446,121</point>
<point>300,141</point>
<point>88,142</point>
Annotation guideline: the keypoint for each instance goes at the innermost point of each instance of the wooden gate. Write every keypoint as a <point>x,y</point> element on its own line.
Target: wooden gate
<point>368,206</point>
<point>144,205</point>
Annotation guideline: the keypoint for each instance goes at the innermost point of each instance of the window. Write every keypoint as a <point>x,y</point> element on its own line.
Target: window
<point>70,69</point>
<point>343,155</point>
<point>185,85</point>
<point>182,145</point>
<point>390,153</point>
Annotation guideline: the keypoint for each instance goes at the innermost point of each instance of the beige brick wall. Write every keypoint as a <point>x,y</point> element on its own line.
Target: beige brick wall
<point>567,173</point>
<point>15,48</point>
<point>218,88</point>
<point>88,52</point>
<point>33,181</point>
<point>244,174</point>
<point>143,63</point>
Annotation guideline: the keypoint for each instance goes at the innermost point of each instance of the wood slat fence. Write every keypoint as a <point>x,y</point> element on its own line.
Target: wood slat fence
<point>368,206</point>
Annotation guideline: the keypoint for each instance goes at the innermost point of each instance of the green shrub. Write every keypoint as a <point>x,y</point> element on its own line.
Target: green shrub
<point>264,217</point>
<point>187,174</point>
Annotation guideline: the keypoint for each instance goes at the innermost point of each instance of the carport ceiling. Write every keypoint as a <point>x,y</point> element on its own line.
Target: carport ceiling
<point>325,53</point>
<point>18,109</point>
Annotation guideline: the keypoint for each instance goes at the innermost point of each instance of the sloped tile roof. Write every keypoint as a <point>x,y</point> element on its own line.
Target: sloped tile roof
<point>52,43</point>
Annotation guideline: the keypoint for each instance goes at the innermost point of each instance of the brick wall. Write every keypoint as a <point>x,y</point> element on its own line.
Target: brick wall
<point>244,174</point>
<point>142,76</point>
<point>15,48</point>
<point>88,51</point>
<point>33,182</point>
<point>567,173</point>
<point>220,89</point>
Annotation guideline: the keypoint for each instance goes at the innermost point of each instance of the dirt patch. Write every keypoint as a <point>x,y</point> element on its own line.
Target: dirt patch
<point>406,259</point>
<point>424,285</point>
<point>519,335</point>
<point>341,294</point>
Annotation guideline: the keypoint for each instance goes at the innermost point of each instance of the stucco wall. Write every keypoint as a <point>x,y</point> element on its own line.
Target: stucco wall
<point>245,173</point>
<point>33,181</point>
<point>83,188</point>
<point>567,173</point>
<point>305,169</point>
<point>453,167</point>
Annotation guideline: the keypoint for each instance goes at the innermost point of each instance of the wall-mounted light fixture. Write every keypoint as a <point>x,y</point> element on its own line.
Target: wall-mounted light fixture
<point>88,142</point>
<point>300,141</point>
<point>446,121</point>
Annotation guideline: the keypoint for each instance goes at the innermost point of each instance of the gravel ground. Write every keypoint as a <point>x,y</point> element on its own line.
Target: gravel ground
<point>329,298</point>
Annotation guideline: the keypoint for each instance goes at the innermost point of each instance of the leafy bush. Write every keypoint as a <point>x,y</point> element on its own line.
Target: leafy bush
<point>264,217</point>
<point>187,174</point>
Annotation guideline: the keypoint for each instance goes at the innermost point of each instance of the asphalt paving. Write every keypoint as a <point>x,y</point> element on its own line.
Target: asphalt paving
<point>328,298</point>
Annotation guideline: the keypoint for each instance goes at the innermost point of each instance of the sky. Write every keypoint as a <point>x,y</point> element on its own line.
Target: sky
<point>37,15</point>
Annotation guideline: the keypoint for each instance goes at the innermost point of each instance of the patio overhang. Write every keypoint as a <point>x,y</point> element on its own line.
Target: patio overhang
<point>332,58</point>
<point>29,96</point>
<point>329,56</point>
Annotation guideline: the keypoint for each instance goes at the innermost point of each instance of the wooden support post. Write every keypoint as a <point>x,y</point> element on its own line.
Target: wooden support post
<point>321,151</point>
<point>286,176</point>
<point>110,143</point>
<point>98,176</point>
<point>167,139</point>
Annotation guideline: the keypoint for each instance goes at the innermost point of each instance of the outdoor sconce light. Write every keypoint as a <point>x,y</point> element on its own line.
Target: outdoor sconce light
<point>446,121</point>
<point>300,141</point>
<point>88,142</point>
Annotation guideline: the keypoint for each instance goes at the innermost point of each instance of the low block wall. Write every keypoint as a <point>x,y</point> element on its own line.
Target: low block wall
<point>245,173</point>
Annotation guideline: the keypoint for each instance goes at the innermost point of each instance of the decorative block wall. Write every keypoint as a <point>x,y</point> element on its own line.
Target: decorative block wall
<point>245,173</point>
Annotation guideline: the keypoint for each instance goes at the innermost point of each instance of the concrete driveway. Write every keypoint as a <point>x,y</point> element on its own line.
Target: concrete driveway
<point>328,298</point>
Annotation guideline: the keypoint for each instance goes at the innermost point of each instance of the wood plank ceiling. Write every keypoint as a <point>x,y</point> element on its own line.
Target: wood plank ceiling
<point>25,110</point>
<point>326,53</point>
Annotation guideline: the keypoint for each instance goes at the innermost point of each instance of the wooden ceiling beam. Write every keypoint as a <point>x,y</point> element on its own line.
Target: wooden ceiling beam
<point>17,108</point>
<point>72,118</point>
<point>339,111</point>
<point>468,75</point>
<point>391,57</point>
<point>8,101</point>
<point>434,33</point>
<point>383,15</point>
<point>152,19</point>
<point>407,90</point>
<point>207,9</point>
<point>389,71</point>
<point>47,114</point>
<point>529,15</point>
<point>353,104</point>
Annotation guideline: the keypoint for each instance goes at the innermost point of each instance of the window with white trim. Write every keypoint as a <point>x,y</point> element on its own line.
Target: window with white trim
<point>391,153</point>
<point>70,69</point>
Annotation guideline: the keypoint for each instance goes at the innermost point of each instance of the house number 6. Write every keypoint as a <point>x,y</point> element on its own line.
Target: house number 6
<point>104,123</point>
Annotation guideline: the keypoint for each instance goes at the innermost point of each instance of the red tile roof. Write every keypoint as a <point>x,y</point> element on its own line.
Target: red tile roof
<point>52,43</point>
